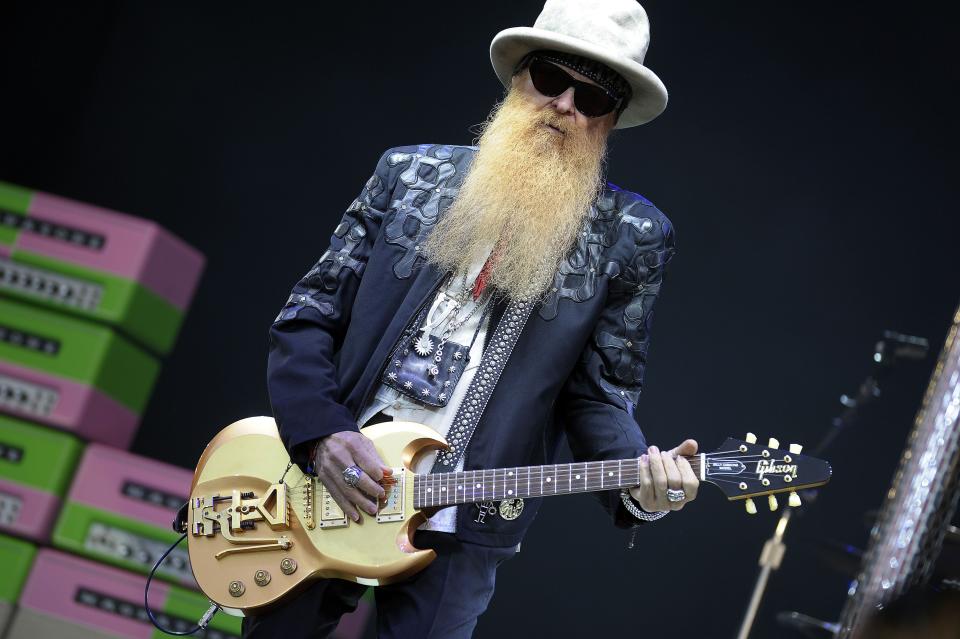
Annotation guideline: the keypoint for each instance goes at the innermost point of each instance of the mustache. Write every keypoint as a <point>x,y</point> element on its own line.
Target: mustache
<point>555,120</point>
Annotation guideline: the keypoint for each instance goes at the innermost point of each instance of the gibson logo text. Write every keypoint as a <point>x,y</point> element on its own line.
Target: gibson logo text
<point>770,467</point>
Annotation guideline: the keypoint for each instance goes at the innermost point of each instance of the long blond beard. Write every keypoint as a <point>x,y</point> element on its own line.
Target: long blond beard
<point>526,193</point>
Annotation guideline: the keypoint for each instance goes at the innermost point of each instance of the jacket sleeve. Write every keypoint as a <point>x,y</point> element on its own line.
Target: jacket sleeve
<point>301,375</point>
<point>598,399</point>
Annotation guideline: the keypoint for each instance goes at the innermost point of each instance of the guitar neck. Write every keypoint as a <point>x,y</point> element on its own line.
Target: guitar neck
<point>472,486</point>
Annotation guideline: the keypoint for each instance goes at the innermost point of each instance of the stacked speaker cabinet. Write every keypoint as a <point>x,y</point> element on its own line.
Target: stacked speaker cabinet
<point>119,510</point>
<point>36,466</point>
<point>70,597</point>
<point>90,300</point>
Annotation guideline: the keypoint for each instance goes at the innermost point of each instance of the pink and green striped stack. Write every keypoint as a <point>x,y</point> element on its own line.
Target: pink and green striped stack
<point>89,299</point>
<point>96,264</point>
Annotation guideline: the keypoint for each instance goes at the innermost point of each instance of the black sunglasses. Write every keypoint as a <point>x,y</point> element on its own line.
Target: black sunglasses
<point>550,80</point>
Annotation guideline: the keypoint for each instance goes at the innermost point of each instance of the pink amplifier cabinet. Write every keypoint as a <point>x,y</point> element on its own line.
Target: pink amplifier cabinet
<point>72,374</point>
<point>119,510</point>
<point>96,263</point>
<point>72,598</point>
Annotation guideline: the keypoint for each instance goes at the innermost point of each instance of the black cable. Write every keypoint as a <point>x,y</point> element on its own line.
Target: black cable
<point>146,603</point>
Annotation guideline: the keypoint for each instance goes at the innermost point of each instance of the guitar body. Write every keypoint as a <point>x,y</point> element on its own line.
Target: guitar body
<point>253,539</point>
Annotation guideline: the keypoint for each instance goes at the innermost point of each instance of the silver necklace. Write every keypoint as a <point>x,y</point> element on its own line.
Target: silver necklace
<point>424,343</point>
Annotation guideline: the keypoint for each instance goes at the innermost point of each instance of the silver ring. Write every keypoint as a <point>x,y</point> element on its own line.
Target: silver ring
<point>675,495</point>
<point>351,476</point>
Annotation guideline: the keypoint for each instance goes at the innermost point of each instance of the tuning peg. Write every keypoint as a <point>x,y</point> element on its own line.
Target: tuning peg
<point>751,438</point>
<point>796,448</point>
<point>772,502</point>
<point>751,507</point>
<point>773,443</point>
<point>794,500</point>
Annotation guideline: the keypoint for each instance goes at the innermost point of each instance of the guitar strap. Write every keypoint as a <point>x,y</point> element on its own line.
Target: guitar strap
<point>492,363</point>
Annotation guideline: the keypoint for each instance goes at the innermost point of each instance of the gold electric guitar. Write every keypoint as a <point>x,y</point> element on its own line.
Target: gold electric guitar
<point>259,528</point>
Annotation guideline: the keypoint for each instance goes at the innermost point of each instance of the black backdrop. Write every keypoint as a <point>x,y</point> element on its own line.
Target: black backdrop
<point>805,160</point>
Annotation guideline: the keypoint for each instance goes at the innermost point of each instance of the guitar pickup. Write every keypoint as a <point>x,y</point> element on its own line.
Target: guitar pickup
<point>392,509</point>
<point>331,515</point>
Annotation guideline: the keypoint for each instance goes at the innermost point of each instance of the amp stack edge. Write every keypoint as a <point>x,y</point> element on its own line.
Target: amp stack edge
<point>90,299</point>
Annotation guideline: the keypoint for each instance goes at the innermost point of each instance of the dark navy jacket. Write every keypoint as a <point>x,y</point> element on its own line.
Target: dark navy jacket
<point>578,365</point>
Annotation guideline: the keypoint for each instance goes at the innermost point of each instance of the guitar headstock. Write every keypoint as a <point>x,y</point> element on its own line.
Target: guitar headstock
<point>746,469</point>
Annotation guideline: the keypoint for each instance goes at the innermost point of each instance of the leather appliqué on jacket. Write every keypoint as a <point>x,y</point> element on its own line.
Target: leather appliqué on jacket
<point>429,188</point>
<point>623,350</point>
<point>577,276</point>
<point>345,252</point>
<point>624,353</point>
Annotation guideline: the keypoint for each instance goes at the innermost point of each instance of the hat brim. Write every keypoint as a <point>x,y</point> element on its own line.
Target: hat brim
<point>649,94</point>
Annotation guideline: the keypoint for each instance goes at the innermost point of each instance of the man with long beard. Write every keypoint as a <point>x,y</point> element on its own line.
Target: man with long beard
<point>500,294</point>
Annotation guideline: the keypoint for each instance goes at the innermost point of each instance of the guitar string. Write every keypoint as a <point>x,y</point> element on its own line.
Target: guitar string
<point>558,471</point>
<point>694,462</point>
<point>571,490</point>
<point>589,476</point>
<point>590,473</point>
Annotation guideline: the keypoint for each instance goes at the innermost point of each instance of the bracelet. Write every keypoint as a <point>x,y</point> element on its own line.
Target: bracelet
<point>312,459</point>
<point>637,512</point>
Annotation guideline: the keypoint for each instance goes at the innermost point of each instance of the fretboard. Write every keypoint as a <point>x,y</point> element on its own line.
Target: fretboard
<point>473,486</point>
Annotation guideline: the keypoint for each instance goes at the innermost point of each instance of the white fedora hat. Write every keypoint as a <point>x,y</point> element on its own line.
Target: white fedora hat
<point>614,32</point>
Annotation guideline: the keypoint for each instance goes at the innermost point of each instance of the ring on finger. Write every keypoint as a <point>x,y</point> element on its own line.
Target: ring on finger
<point>675,495</point>
<point>351,476</point>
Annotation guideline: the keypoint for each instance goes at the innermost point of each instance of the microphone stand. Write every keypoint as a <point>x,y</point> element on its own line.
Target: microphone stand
<point>891,348</point>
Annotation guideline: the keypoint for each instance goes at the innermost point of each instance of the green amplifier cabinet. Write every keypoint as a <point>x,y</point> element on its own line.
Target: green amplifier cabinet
<point>16,558</point>
<point>36,466</point>
<point>72,374</point>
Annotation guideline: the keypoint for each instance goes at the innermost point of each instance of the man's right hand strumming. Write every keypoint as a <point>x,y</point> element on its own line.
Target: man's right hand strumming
<point>359,488</point>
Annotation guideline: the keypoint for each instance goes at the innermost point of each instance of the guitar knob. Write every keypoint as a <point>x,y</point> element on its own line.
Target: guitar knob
<point>751,507</point>
<point>772,502</point>
<point>751,438</point>
<point>796,448</point>
<point>794,500</point>
<point>773,443</point>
